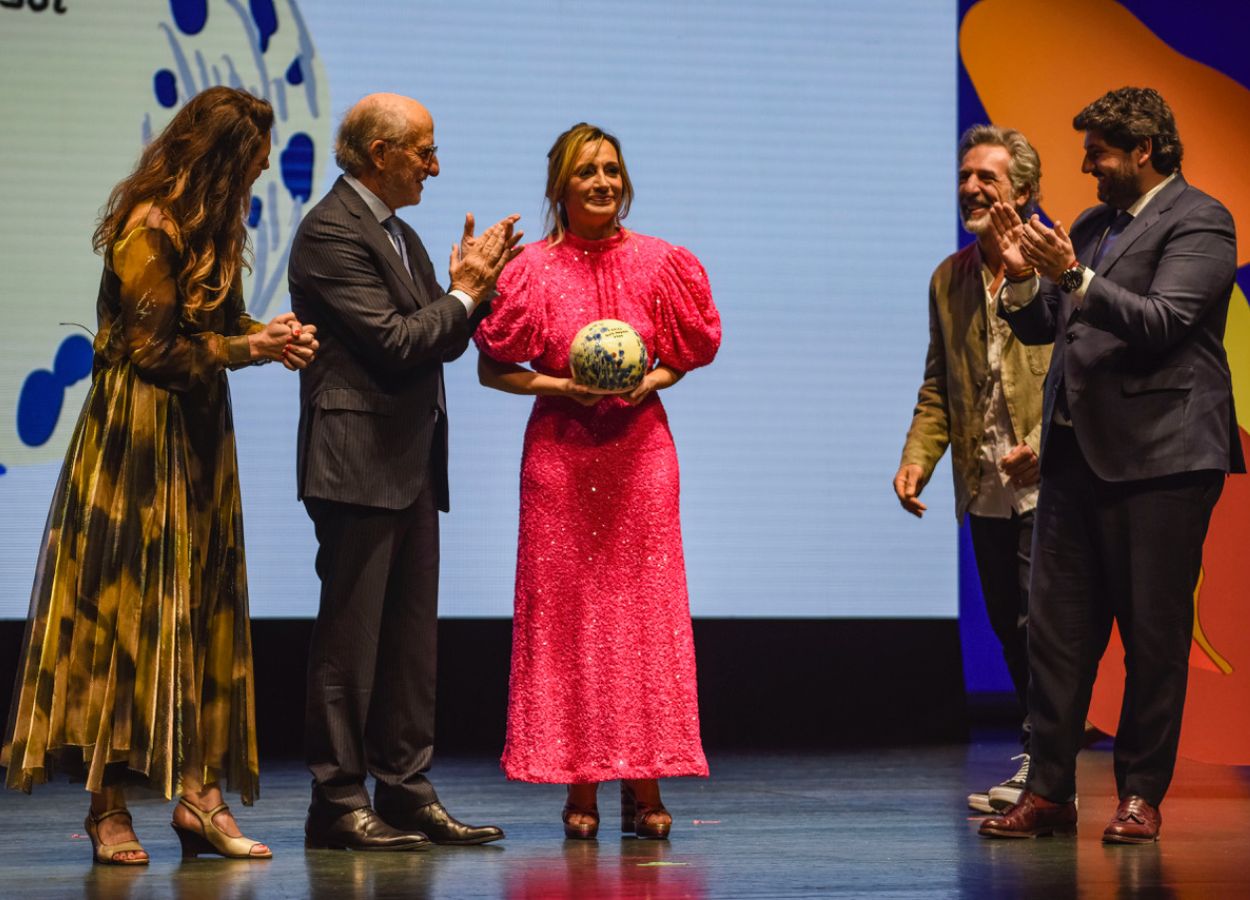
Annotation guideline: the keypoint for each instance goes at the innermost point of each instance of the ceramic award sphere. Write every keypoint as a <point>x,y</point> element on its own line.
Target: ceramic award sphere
<point>608,357</point>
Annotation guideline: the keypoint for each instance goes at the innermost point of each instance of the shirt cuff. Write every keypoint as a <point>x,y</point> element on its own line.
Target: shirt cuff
<point>464,298</point>
<point>1086,277</point>
<point>1017,295</point>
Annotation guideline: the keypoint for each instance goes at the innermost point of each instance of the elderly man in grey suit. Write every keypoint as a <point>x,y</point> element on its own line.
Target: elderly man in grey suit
<point>372,472</point>
<point>1138,435</point>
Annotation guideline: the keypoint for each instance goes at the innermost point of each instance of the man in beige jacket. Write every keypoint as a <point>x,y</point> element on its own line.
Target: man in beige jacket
<point>982,396</point>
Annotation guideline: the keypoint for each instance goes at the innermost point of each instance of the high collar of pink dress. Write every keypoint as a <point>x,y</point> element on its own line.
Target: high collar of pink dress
<point>607,243</point>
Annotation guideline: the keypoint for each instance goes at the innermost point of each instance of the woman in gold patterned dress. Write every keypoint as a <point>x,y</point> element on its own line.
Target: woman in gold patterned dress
<point>136,667</point>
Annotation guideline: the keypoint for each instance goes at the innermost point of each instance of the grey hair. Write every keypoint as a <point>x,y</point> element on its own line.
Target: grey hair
<point>1025,168</point>
<point>364,124</point>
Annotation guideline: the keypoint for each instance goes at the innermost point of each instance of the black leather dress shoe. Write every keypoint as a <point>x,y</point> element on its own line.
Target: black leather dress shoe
<point>441,828</point>
<point>360,829</point>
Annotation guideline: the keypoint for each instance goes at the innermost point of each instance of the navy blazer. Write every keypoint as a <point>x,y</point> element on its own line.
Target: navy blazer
<point>373,421</point>
<point>1142,361</point>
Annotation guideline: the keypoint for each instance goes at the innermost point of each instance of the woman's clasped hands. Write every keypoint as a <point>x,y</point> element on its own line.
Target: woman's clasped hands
<point>287,340</point>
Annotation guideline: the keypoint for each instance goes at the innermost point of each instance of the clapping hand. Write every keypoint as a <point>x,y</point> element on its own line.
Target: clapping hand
<point>1049,250</point>
<point>476,261</point>
<point>1030,245</point>
<point>1008,233</point>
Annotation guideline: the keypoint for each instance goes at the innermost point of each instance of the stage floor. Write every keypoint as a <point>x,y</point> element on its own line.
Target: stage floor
<point>864,823</point>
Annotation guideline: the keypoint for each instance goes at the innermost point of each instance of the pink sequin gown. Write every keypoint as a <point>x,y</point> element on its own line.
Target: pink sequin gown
<point>603,672</point>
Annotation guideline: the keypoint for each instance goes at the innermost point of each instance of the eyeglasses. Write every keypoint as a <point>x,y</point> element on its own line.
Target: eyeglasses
<point>425,154</point>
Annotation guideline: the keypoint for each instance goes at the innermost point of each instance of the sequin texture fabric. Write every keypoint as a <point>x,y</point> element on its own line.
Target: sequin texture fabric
<point>603,670</point>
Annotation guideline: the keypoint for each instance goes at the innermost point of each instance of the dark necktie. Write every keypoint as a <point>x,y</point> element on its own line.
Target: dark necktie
<point>1104,247</point>
<point>1112,235</point>
<point>397,238</point>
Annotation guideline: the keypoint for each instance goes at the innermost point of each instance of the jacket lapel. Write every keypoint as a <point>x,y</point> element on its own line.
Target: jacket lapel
<point>1160,204</point>
<point>376,236</point>
<point>969,315</point>
<point>415,252</point>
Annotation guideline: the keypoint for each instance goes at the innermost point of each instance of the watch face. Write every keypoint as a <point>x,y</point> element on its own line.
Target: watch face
<point>1071,279</point>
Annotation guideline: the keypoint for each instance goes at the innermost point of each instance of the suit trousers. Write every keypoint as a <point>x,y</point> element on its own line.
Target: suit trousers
<point>1003,548</point>
<point>1126,551</point>
<point>371,667</point>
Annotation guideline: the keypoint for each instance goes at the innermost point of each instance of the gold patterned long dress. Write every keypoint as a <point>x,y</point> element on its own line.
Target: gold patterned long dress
<point>137,661</point>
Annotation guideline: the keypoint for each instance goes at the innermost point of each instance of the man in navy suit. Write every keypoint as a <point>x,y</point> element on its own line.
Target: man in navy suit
<point>1138,435</point>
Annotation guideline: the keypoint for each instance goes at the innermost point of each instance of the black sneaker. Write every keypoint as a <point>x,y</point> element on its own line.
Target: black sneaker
<point>1006,795</point>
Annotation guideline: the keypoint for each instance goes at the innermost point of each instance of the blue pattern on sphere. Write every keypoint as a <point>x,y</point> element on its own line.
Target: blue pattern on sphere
<point>608,355</point>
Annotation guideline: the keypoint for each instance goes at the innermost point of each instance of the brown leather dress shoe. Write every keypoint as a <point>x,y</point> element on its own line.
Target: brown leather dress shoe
<point>1031,817</point>
<point>1135,822</point>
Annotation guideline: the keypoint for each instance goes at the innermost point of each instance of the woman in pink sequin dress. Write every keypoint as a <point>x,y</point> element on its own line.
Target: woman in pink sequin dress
<point>603,670</point>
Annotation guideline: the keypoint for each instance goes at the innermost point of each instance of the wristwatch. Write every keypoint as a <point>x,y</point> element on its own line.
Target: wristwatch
<point>1072,278</point>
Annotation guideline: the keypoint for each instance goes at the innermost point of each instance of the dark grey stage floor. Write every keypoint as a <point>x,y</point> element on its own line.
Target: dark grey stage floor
<point>866,823</point>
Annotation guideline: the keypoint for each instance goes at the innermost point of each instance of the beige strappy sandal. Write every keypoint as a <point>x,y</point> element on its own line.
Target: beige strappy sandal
<point>211,839</point>
<point>106,854</point>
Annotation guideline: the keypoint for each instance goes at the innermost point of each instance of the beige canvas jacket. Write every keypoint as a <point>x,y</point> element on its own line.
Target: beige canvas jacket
<point>948,408</point>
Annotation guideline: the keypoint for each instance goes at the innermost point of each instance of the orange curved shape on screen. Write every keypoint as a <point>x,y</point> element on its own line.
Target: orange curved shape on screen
<point>1079,50</point>
<point>1209,658</point>
<point>1213,115</point>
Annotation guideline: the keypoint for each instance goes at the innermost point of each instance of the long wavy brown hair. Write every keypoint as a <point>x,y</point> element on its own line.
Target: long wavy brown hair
<point>195,172</point>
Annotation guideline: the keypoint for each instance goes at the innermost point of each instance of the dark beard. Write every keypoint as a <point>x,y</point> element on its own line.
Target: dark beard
<point>1118,190</point>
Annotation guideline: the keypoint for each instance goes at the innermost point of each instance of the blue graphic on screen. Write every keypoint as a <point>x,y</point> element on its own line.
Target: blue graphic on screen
<point>165,86</point>
<point>189,15</point>
<point>296,162</point>
<point>783,144</point>
<point>43,393</point>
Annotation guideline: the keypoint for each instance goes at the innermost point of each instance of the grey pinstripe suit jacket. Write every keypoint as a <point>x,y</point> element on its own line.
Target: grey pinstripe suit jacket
<point>373,422</point>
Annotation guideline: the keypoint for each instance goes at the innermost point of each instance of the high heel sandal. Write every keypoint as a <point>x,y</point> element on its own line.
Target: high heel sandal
<point>580,831</point>
<point>211,839</point>
<point>653,822</point>
<point>106,854</point>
